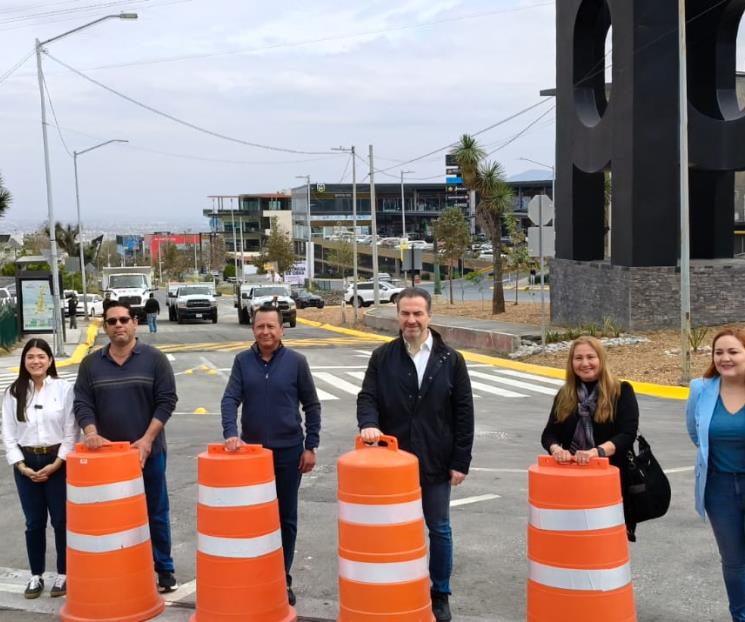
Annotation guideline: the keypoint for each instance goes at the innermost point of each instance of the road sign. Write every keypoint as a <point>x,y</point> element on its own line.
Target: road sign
<point>541,206</point>
<point>412,260</point>
<point>549,240</point>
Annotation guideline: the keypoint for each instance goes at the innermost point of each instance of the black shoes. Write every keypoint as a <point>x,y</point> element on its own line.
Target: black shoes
<point>167,582</point>
<point>34,588</point>
<point>441,607</point>
<point>291,597</point>
<point>59,587</point>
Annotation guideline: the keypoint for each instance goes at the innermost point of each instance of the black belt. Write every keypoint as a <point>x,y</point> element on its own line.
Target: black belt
<point>49,449</point>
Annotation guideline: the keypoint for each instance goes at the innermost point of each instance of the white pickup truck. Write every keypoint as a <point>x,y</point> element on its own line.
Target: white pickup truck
<point>253,295</point>
<point>195,302</point>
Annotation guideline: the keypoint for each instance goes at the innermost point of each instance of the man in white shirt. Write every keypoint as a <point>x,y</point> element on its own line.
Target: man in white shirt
<point>417,389</point>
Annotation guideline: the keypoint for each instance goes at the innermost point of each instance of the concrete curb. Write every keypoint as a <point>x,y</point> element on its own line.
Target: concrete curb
<point>82,348</point>
<point>643,388</point>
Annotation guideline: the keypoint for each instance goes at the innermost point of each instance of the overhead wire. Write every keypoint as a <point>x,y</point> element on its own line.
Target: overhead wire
<point>16,66</point>
<point>346,168</point>
<point>183,122</point>
<point>54,115</point>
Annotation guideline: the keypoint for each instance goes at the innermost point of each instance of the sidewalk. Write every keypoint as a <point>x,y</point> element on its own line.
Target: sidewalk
<point>77,343</point>
<point>462,332</point>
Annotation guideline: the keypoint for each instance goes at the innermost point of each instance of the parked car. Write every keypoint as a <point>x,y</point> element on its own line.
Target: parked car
<point>94,302</point>
<point>303,298</point>
<point>366,293</point>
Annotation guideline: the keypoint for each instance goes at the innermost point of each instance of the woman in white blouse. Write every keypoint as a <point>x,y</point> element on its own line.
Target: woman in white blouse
<point>39,431</point>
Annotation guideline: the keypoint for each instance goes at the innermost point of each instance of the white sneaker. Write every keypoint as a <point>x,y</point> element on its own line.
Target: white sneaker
<point>34,588</point>
<point>59,587</point>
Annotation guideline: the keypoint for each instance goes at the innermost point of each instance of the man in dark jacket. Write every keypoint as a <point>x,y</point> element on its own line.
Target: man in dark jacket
<point>270,381</point>
<point>152,309</point>
<point>72,310</point>
<point>417,389</point>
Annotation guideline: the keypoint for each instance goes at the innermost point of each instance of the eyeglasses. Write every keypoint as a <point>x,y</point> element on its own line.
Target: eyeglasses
<point>112,321</point>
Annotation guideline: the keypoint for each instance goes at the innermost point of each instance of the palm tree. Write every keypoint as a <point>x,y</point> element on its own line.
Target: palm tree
<point>468,154</point>
<point>495,201</point>
<point>5,198</point>
<point>66,238</point>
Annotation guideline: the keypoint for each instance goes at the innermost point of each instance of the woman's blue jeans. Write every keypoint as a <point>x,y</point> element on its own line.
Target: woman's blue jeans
<point>725,505</point>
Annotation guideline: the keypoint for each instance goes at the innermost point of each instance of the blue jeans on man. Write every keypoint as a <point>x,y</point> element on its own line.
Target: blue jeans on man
<point>152,322</point>
<point>724,501</point>
<point>436,507</point>
<point>38,499</point>
<point>158,510</point>
<point>287,477</point>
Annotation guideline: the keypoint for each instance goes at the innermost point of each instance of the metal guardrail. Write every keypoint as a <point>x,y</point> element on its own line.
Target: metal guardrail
<point>8,326</point>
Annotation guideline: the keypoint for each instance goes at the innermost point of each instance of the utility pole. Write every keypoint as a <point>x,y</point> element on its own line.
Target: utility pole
<point>374,225</point>
<point>685,241</point>
<point>240,225</point>
<point>160,260</point>
<point>235,242</point>
<point>403,205</point>
<point>355,302</point>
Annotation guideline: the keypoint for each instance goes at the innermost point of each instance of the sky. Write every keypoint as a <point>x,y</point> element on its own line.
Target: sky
<point>406,76</point>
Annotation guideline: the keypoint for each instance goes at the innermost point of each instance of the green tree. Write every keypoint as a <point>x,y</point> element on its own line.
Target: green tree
<point>451,230</point>
<point>67,238</point>
<point>5,198</point>
<point>518,257</point>
<point>341,258</point>
<point>279,248</point>
<point>495,202</point>
<point>173,261</point>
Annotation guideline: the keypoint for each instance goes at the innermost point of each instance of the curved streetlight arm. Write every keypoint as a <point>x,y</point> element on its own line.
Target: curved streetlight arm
<point>95,21</point>
<point>548,166</point>
<point>108,142</point>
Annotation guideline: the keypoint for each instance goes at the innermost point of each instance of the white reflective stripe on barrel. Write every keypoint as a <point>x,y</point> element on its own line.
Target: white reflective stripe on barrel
<point>393,572</point>
<point>577,520</point>
<point>237,496</point>
<point>392,514</point>
<point>105,492</point>
<point>575,579</point>
<point>106,543</point>
<point>239,547</point>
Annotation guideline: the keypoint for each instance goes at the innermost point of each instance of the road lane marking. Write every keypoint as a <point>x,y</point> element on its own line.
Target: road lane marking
<point>337,382</point>
<point>170,357</point>
<point>365,352</point>
<point>680,469</point>
<point>468,500</point>
<point>519,374</point>
<point>324,396</point>
<point>211,367</point>
<point>359,375</point>
<point>513,383</point>
<point>490,470</point>
<point>495,390</point>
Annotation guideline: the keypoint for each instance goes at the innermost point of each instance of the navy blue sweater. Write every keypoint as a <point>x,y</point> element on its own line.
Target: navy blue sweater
<point>122,399</point>
<point>271,393</point>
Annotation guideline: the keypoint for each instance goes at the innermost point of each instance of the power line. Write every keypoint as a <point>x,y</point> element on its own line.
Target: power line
<point>54,115</point>
<point>17,66</point>
<point>346,168</point>
<point>383,31</point>
<point>522,132</point>
<point>188,124</point>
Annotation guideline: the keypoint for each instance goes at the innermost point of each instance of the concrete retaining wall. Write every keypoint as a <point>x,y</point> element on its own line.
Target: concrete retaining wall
<point>492,341</point>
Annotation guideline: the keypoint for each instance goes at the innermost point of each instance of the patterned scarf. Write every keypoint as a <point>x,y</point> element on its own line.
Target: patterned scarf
<point>586,403</point>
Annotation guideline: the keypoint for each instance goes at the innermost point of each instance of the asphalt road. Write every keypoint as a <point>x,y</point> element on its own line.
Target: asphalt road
<point>675,565</point>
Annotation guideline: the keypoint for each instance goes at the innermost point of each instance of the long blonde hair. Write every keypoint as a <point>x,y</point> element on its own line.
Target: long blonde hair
<point>609,388</point>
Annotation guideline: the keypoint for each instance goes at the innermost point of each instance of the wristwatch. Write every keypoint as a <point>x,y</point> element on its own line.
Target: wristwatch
<point>601,452</point>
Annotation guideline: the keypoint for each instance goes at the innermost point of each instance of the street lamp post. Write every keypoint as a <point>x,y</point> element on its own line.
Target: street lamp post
<point>355,302</point>
<point>75,155</point>
<point>540,242</point>
<point>308,248</point>
<point>403,206</point>
<point>39,47</point>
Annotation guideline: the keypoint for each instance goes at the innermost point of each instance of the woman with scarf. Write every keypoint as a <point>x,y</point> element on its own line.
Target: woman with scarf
<point>594,414</point>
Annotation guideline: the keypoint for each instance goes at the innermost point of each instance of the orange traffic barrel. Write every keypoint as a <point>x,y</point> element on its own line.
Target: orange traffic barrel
<point>578,553</point>
<point>240,565</point>
<point>109,555</point>
<point>383,571</point>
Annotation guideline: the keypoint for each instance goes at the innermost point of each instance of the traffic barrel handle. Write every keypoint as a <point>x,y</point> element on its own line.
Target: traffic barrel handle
<point>595,463</point>
<point>391,442</point>
<point>219,448</point>
<point>110,447</point>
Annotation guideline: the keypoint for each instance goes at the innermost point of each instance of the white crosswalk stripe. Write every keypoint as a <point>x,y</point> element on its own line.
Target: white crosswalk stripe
<point>7,379</point>
<point>517,384</point>
<point>487,381</point>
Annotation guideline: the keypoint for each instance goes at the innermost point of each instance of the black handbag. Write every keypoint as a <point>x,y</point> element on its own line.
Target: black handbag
<point>646,489</point>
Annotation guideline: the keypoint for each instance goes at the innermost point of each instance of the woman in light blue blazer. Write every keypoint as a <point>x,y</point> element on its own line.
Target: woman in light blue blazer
<point>715,415</point>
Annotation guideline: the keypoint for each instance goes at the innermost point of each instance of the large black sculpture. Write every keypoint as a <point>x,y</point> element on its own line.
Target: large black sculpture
<point>631,129</point>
